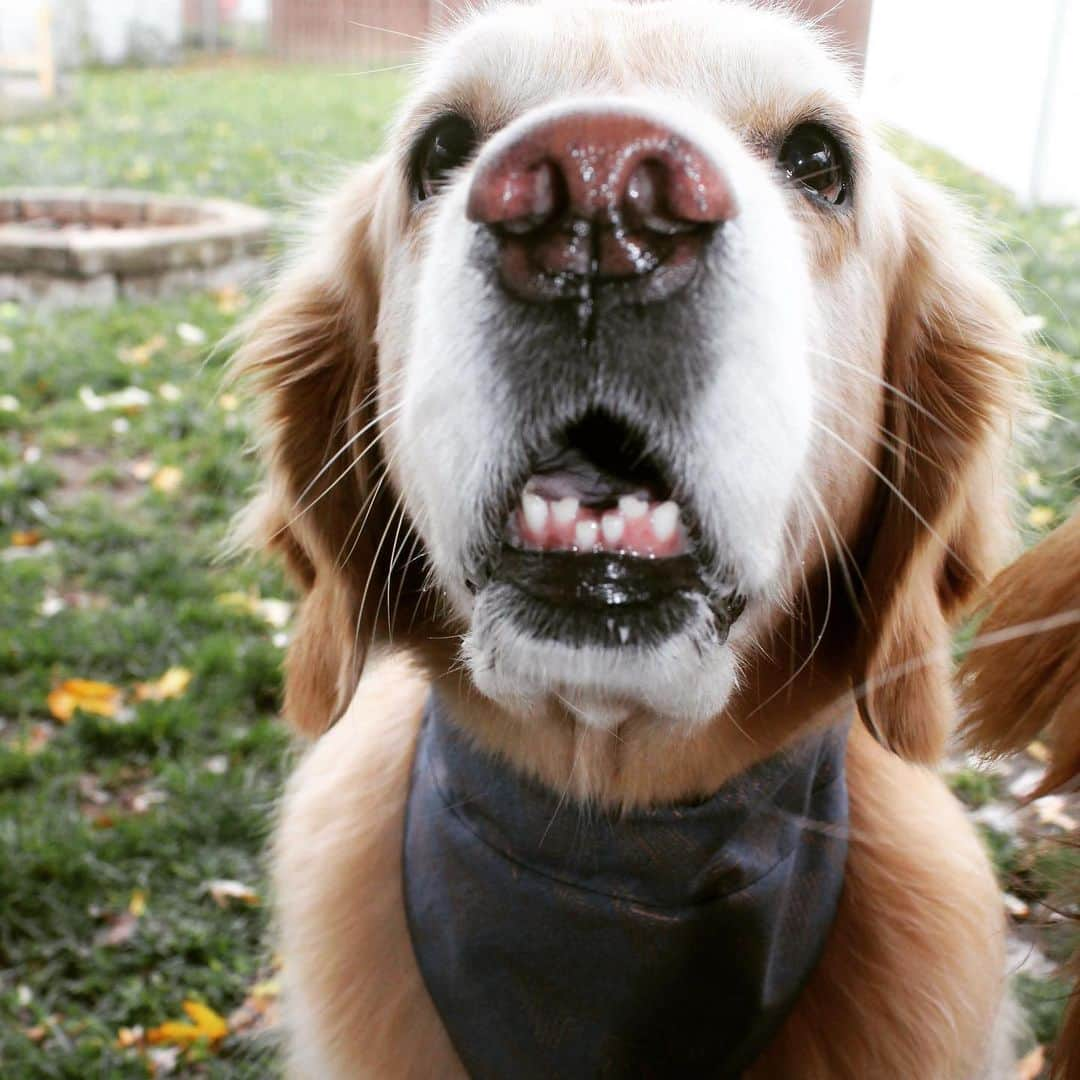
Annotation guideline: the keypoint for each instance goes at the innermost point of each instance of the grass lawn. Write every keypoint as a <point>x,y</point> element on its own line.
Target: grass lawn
<point>119,827</point>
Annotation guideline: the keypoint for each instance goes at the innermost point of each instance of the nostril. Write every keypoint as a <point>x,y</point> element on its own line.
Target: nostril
<point>647,204</point>
<point>541,196</point>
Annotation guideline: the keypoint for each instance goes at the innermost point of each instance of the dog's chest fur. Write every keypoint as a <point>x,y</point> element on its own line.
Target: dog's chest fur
<point>561,941</point>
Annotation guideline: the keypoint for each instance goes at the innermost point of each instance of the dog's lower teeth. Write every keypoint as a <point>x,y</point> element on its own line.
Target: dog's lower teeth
<point>637,527</point>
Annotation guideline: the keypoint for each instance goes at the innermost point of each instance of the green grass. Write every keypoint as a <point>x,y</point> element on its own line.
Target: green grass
<point>125,585</point>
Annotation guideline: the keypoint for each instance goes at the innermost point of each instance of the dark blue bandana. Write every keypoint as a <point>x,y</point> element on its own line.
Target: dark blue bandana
<point>563,943</point>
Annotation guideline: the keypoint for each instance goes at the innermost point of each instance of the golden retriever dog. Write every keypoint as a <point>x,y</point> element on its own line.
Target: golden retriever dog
<point>636,427</point>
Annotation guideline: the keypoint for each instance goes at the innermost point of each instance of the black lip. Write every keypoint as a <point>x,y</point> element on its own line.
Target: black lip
<point>604,599</point>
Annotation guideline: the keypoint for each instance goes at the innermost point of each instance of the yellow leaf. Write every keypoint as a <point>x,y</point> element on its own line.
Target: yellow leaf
<point>1040,516</point>
<point>213,1026</point>
<point>137,904</point>
<point>141,355</point>
<point>240,602</point>
<point>205,1024</point>
<point>167,479</point>
<point>1038,751</point>
<point>27,538</point>
<point>229,300</point>
<point>177,1032</point>
<point>101,699</point>
<point>172,684</point>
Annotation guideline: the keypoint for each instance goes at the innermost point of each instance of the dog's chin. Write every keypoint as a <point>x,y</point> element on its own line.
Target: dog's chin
<point>605,636</point>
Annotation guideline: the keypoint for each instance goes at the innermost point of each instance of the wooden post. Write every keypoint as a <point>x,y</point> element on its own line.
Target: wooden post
<point>46,57</point>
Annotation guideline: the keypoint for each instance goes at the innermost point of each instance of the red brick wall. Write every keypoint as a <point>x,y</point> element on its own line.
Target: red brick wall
<point>326,29</point>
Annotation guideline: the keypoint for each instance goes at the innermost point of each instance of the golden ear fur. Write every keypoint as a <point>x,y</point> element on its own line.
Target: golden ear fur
<point>955,360</point>
<point>309,358</point>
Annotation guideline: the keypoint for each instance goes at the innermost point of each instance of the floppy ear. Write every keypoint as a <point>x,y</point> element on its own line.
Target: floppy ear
<point>309,357</point>
<point>1022,678</point>
<point>954,360</point>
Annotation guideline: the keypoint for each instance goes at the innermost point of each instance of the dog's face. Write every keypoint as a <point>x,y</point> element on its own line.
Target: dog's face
<point>645,323</point>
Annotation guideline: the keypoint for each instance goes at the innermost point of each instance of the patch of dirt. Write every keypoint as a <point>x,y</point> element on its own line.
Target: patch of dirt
<point>77,469</point>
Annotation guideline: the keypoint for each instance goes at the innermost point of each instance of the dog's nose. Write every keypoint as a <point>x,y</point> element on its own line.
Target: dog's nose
<point>599,196</point>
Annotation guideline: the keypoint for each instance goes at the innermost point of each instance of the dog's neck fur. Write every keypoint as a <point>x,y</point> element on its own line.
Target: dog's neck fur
<point>644,759</point>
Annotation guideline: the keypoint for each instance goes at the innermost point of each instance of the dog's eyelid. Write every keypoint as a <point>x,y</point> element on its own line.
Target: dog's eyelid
<point>425,165</point>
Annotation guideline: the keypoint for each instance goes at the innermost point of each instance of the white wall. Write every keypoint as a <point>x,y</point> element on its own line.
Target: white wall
<point>120,30</point>
<point>102,31</point>
<point>970,76</point>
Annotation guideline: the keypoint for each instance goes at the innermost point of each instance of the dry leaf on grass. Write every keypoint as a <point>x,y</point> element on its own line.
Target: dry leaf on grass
<point>127,1037</point>
<point>98,698</point>
<point>275,613</point>
<point>223,892</point>
<point>167,479</point>
<point>119,931</point>
<point>190,334</point>
<point>141,355</point>
<point>26,538</point>
<point>260,1011</point>
<point>230,299</point>
<point>172,684</point>
<point>202,1024</point>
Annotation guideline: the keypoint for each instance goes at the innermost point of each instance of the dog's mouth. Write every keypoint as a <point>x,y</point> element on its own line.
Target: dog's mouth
<point>600,548</point>
<point>599,492</point>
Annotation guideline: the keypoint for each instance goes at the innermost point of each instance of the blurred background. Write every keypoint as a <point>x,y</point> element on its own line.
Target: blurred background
<point>152,157</point>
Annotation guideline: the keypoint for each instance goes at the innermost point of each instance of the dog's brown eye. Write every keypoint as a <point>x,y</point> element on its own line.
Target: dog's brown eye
<point>811,157</point>
<point>446,146</point>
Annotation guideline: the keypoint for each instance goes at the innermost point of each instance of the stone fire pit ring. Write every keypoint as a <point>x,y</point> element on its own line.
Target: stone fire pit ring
<point>66,247</point>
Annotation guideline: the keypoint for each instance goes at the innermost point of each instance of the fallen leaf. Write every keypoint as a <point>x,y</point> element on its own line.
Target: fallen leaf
<point>26,538</point>
<point>137,903</point>
<point>141,355</point>
<point>202,1023</point>
<point>1016,907</point>
<point>40,736</point>
<point>119,931</point>
<point>1031,1065</point>
<point>275,612</point>
<point>36,1033</point>
<point>191,335</point>
<point>241,602</point>
<point>127,1037</point>
<point>1039,752</point>
<point>1041,516</point>
<point>172,684</point>
<point>224,891</point>
<point>1051,811</point>
<point>259,1011</point>
<point>97,698</point>
<point>130,399</point>
<point>167,479</point>
<point>230,299</point>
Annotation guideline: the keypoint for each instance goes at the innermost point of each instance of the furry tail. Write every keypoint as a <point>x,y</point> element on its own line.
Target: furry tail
<point>1022,682</point>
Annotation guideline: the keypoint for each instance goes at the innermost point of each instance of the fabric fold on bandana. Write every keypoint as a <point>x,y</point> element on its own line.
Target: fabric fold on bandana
<point>558,940</point>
